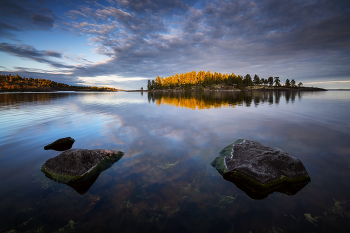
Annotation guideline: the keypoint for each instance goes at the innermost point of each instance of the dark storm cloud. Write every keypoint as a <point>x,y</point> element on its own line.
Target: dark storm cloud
<point>24,15</point>
<point>29,52</point>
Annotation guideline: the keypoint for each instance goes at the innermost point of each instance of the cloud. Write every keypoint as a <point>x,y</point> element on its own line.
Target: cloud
<point>78,59</point>
<point>303,40</point>
<point>29,52</point>
<point>154,6</point>
<point>149,38</point>
<point>329,82</point>
<point>24,15</point>
<point>115,81</point>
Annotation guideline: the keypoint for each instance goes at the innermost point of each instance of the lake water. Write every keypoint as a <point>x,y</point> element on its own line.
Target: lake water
<point>164,182</point>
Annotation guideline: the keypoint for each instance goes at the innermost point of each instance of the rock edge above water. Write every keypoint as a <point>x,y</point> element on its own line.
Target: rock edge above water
<point>60,144</point>
<point>75,165</point>
<point>259,168</point>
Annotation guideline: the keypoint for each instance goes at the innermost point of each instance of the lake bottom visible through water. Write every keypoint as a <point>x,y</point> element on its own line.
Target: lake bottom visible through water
<point>164,181</point>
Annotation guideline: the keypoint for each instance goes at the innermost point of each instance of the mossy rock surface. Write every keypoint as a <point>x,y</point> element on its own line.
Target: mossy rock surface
<point>79,164</point>
<point>60,144</point>
<point>260,169</point>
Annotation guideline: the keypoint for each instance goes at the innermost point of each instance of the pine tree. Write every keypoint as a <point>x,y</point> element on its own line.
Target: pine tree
<point>287,83</point>
<point>292,83</point>
<point>277,82</point>
<point>256,80</point>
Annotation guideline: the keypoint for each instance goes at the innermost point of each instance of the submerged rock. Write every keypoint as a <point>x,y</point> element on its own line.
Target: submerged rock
<point>61,144</point>
<point>78,165</point>
<point>260,170</point>
<point>83,186</point>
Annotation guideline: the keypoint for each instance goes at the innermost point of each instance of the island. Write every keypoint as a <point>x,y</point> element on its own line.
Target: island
<point>16,83</point>
<point>207,81</point>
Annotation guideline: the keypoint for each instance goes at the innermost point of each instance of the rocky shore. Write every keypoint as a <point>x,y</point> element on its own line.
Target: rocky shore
<point>250,88</point>
<point>267,88</point>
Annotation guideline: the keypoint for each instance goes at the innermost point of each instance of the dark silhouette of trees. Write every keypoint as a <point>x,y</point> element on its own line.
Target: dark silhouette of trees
<point>292,83</point>
<point>277,82</point>
<point>270,80</point>
<point>287,83</point>
<point>248,80</point>
<point>256,80</point>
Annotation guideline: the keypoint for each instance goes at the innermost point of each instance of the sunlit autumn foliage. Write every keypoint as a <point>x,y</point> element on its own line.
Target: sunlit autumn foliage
<point>202,79</point>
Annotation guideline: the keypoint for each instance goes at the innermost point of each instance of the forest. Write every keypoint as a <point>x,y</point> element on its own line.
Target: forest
<point>17,83</point>
<point>202,79</point>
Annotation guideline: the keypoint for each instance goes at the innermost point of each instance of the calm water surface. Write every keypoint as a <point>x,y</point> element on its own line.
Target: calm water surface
<point>164,182</point>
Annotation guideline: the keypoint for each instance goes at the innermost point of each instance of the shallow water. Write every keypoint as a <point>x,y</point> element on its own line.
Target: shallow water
<point>164,182</point>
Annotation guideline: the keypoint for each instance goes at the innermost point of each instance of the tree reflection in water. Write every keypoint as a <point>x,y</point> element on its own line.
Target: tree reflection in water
<point>220,99</point>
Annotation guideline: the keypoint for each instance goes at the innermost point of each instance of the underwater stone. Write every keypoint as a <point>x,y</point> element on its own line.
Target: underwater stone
<point>61,144</point>
<point>259,168</point>
<point>79,164</point>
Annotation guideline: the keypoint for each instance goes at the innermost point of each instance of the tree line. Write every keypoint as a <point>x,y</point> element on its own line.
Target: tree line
<point>15,82</point>
<point>204,79</point>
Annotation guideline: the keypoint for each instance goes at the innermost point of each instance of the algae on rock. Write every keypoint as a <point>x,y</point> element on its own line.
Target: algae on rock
<point>79,168</point>
<point>259,170</point>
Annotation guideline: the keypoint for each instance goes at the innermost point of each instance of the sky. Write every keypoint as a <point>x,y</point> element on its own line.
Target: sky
<point>123,43</point>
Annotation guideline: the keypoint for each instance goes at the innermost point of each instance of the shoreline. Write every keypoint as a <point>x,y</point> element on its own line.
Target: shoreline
<point>251,88</point>
<point>254,88</point>
<point>53,91</point>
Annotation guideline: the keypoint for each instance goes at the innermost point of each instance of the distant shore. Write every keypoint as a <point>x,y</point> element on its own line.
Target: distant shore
<point>58,90</point>
<point>267,88</point>
<point>250,88</point>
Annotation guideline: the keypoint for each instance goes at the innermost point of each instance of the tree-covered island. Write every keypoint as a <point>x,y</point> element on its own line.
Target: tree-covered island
<point>11,83</point>
<point>217,81</point>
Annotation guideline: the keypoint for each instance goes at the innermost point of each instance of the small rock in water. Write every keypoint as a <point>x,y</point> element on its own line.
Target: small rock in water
<point>260,170</point>
<point>76,165</point>
<point>61,144</point>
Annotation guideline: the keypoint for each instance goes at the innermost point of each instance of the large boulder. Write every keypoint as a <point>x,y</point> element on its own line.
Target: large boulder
<point>77,165</point>
<point>60,144</point>
<point>260,170</point>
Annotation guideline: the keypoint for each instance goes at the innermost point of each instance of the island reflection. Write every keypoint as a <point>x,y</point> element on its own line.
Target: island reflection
<point>220,99</point>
